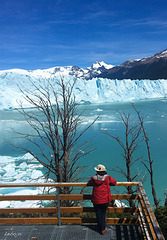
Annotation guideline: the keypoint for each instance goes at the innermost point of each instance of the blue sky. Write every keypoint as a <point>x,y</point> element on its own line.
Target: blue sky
<point>46,33</point>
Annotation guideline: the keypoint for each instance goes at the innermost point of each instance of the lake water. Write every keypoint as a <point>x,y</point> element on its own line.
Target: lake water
<point>14,165</point>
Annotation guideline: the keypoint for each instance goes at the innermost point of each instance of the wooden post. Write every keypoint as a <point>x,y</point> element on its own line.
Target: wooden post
<point>58,206</point>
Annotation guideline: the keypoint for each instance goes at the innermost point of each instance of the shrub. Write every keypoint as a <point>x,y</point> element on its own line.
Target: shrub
<point>161,215</point>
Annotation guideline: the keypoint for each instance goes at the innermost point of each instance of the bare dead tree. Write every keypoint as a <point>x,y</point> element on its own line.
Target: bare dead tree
<point>129,145</point>
<point>150,161</point>
<point>56,134</point>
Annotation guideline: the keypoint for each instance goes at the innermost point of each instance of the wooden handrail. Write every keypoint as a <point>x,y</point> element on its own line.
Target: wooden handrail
<point>65,220</point>
<point>58,197</point>
<point>143,208</point>
<point>63,197</point>
<point>148,215</point>
<point>56,184</point>
<point>67,210</point>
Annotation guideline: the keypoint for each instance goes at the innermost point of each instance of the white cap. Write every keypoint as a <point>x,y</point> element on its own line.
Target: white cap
<point>100,168</point>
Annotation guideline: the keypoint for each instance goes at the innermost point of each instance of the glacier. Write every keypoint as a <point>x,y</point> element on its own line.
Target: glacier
<point>96,90</point>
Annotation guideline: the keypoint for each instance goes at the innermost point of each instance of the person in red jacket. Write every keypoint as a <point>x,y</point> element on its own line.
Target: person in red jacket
<point>101,195</point>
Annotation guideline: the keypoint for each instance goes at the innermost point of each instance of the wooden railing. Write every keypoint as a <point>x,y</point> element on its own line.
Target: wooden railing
<point>141,213</point>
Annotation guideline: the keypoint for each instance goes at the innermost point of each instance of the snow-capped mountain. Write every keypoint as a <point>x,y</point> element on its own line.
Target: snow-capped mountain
<point>154,67</point>
<point>88,73</point>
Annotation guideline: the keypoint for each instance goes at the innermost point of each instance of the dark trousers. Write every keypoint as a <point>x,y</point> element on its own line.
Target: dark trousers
<point>100,210</point>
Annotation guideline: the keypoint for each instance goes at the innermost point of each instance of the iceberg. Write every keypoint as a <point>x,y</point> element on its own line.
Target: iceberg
<point>13,169</point>
<point>21,170</point>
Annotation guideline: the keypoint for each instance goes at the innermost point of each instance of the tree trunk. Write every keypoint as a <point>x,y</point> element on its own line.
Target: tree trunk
<point>150,170</point>
<point>156,202</point>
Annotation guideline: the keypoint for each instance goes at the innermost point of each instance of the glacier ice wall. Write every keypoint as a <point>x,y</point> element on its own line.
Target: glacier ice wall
<point>97,90</point>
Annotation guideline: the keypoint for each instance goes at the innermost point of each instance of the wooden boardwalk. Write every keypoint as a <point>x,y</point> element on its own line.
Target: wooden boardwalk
<point>21,223</point>
<point>69,232</point>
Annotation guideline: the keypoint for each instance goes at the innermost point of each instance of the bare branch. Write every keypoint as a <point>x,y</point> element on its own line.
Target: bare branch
<point>150,169</point>
<point>56,129</point>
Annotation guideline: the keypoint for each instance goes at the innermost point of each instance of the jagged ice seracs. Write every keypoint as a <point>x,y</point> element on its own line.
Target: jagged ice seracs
<point>96,90</point>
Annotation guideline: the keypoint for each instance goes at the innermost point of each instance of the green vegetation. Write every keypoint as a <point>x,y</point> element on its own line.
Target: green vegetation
<point>161,215</point>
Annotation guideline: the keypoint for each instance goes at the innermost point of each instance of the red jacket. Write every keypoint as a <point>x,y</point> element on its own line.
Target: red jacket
<point>101,188</point>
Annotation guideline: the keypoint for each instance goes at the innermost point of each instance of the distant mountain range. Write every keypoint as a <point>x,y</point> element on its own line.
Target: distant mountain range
<point>74,71</point>
<point>152,68</point>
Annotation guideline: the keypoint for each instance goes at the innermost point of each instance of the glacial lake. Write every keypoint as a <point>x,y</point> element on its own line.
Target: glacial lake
<point>14,166</point>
